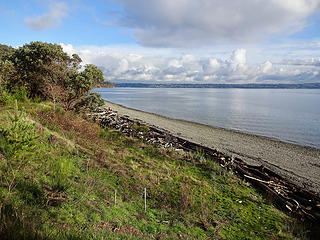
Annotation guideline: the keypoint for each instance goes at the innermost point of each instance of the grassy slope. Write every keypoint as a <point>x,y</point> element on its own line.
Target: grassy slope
<point>67,187</point>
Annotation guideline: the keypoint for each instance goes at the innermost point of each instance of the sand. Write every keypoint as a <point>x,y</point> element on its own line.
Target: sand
<point>298,163</point>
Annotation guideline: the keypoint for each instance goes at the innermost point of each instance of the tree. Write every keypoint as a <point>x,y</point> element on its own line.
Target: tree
<point>7,73</point>
<point>5,51</point>
<point>51,74</point>
<point>78,85</point>
<point>7,70</point>
<point>90,102</point>
<point>37,64</point>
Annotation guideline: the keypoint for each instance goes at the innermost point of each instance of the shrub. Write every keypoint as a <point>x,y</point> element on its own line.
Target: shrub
<point>18,135</point>
<point>140,127</point>
<point>61,171</point>
<point>91,102</point>
<point>5,97</point>
<point>19,94</point>
<point>17,144</point>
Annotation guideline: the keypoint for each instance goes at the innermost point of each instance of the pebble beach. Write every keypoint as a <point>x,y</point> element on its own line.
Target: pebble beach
<point>297,163</point>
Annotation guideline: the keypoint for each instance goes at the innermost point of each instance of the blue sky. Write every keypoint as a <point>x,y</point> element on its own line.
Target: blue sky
<point>83,24</point>
<point>205,41</point>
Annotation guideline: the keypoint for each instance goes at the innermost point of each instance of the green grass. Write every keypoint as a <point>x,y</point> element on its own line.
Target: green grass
<point>66,189</point>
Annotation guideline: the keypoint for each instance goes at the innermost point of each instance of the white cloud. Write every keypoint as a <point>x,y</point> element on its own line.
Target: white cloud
<point>239,60</point>
<point>57,11</point>
<point>68,48</point>
<point>211,65</point>
<point>188,23</point>
<point>123,66</point>
<point>129,64</point>
<point>266,67</point>
<point>302,62</point>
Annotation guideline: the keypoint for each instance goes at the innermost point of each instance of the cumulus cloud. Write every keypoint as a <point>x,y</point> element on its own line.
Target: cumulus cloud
<point>239,60</point>
<point>188,23</point>
<point>266,67</point>
<point>136,65</point>
<point>57,11</point>
<point>211,65</point>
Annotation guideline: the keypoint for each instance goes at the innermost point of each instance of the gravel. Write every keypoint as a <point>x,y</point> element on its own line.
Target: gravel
<point>297,163</point>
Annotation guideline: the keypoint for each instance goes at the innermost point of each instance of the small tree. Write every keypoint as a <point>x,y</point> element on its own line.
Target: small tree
<point>79,84</point>
<point>91,102</point>
<point>48,72</point>
<point>17,143</point>
<point>55,93</point>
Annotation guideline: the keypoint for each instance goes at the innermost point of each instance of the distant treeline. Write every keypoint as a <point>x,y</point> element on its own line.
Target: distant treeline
<point>106,84</point>
<point>247,86</point>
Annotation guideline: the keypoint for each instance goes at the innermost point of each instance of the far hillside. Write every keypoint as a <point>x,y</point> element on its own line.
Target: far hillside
<point>245,86</point>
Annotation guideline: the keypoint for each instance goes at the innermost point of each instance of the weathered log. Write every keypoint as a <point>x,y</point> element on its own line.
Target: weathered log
<point>284,193</point>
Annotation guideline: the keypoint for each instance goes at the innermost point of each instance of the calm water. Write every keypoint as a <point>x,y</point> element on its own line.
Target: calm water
<point>291,115</point>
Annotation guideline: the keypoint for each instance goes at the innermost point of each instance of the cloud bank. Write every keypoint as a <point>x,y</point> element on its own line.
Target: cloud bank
<point>189,23</point>
<point>57,11</point>
<point>153,66</point>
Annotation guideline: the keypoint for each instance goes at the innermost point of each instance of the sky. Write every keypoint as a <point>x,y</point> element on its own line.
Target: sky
<point>177,41</point>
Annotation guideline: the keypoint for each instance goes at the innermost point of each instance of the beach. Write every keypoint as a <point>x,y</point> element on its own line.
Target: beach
<point>297,163</point>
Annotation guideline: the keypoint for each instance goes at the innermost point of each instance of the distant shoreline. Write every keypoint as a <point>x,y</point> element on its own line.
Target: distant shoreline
<point>298,163</point>
<point>244,86</point>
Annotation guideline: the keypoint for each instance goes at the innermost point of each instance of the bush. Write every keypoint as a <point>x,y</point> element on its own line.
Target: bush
<point>17,144</point>
<point>19,94</point>
<point>61,171</point>
<point>5,97</point>
<point>91,102</point>
<point>18,135</point>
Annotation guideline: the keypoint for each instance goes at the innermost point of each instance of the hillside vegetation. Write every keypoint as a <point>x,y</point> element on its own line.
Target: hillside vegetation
<point>60,175</point>
<point>65,177</point>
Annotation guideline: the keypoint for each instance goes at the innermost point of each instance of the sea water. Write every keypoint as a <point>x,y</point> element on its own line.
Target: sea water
<point>291,115</point>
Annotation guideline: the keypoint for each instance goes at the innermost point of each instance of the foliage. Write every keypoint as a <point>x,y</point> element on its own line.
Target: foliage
<point>5,51</point>
<point>38,63</point>
<point>91,102</point>
<point>8,73</point>
<point>67,190</point>
<point>17,144</point>
<point>7,70</point>
<point>140,127</point>
<point>61,171</point>
<point>5,97</point>
<point>79,84</point>
<point>46,71</point>
<point>19,94</point>
<point>18,135</point>
<point>106,84</point>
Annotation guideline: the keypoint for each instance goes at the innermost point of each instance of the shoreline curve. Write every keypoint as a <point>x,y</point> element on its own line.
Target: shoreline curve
<point>300,164</point>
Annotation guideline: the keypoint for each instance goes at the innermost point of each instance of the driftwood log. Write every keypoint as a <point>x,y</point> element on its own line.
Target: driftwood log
<point>285,194</point>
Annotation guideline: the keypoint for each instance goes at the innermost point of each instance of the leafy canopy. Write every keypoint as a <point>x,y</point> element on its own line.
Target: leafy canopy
<point>46,71</point>
<point>5,51</point>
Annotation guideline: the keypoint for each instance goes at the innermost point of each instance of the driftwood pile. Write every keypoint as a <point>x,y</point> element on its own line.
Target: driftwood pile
<point>285,194</point>
<point>135,128</point>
